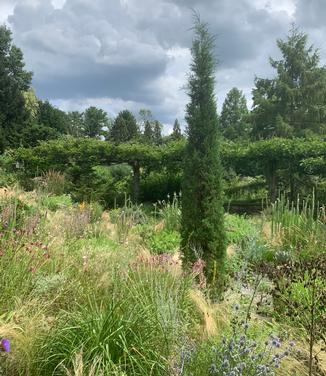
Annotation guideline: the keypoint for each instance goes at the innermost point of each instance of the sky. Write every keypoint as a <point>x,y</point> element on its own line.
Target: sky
<point>118,54</point>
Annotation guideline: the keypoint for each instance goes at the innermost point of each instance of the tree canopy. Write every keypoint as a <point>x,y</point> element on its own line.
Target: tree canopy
<point>293,103</point>
<point>234,120</point>
<point>14,80</point>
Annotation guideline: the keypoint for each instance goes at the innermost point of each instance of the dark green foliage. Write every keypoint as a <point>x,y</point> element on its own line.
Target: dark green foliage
<point>176,133</point>
<point>148,132</point>
<point>280,161</point>
<point>202,229</point>
<point>234,119</point>
<point>157,133</point>
<point>292,103</point>
<point>124,128</point>
<point>95,119</point>
<point>51,117</point>
<point>13,81</point>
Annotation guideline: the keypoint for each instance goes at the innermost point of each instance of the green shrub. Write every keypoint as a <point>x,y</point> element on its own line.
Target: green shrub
<point>54,203</point>
<point>159,242</point>
<point>238,228</point>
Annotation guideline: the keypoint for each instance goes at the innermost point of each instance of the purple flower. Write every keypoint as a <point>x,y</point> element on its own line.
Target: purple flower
<point>5,345</point>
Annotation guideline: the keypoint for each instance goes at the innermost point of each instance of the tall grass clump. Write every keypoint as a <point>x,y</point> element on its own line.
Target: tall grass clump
<point>300,225</point>
<point>52,182</point>
<point>170,212</point>
<point>134,331</point>
<point>126,217</point>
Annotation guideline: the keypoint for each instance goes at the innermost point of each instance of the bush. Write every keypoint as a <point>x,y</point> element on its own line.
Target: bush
<point>238,228</point>
<point>54,203</point>
<point>160,242</point>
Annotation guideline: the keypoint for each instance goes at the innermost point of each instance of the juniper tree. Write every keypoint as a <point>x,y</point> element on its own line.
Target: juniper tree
<point>202,226</point>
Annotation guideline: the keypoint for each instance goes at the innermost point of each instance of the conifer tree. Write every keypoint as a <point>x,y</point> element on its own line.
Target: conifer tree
<point>234,119</point>
<point>293,102</point>
<point>148,132</point>
<point>157,133</point>
<point>176,133</point>
<point>124,127</point>
<point>202,225</point>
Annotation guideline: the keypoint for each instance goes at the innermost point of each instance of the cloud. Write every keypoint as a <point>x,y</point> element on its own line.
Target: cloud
<point>135,53</point>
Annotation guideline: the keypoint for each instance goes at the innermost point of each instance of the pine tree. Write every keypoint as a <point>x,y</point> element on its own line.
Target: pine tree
<point>157,133</point>
<point>202,227</point>
<point>124,127</point>
<point>148,134</point>
<point>234,116</point>
<point>292,103</point>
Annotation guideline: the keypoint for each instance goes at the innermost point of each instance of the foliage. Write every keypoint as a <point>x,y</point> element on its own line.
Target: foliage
<point>299,296</point>
<point>238,228</point>
<point>234,120</point>
<point>238,354</point>
<point>300,226</point>
<point>124,128</point>
<point>126,217</point>
<point>51,117</point>
<point>160,242</point>
<point>54,203</point>
<point>291,104</point>
<point>13,81</point>
<point>170,212</point>
<point>95,120</point>
<point>52,182</point>
<point>176,132</point>
<point>133,331</point>
<point>202,227</point>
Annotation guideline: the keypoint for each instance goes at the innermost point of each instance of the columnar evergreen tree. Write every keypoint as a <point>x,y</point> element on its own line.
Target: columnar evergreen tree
<point>234,116</point>
<point>202,227</point>
<point>14,80</point>
<point>124,127</point>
